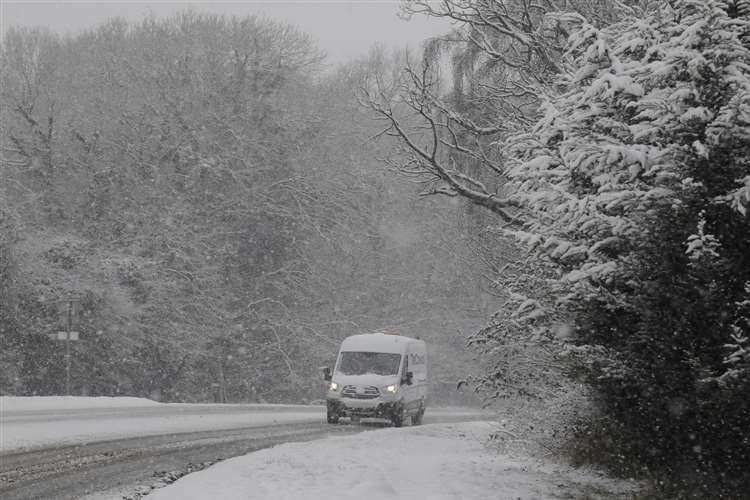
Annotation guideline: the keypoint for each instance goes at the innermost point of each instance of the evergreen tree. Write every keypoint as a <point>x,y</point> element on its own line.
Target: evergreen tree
<point>636,184</point>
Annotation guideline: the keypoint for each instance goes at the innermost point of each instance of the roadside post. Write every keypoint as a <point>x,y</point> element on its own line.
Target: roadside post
<point>68,336</point>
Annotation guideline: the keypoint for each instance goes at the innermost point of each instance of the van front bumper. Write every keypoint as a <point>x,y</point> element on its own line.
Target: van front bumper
<point>345,407</point>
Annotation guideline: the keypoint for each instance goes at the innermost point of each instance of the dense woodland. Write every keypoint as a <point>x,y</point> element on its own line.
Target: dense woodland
<point>564,186</point>
<point>210,200</point>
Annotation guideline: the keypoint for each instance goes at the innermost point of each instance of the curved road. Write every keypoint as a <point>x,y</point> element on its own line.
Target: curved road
<point>128,467</point>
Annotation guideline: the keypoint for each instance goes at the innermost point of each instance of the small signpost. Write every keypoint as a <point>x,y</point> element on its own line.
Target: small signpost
<point>63,335</point>
<point>68,336</point>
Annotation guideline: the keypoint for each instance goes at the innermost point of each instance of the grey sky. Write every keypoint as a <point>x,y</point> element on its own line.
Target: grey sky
<point>344,29</point>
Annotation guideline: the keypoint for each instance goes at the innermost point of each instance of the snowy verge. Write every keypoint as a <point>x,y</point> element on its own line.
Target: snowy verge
<point>10,404</point>
<point>41,403</point>
<point>36,422</point>
<point>438,461</point>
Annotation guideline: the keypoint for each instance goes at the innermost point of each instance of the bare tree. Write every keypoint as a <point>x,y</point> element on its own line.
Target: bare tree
<point>453,107</point>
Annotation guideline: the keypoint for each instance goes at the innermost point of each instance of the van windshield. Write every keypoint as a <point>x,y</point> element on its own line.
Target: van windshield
<point>359,363</point>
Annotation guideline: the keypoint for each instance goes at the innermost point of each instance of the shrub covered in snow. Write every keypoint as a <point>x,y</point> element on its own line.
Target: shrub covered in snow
<point>636,184</point>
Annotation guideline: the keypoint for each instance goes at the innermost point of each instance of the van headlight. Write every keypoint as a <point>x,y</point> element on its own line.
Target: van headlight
<point>391,389</point>
<point>333,386</point>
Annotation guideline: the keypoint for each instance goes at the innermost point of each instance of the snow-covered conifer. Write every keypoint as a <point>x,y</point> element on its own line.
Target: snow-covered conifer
<point>641,163</point>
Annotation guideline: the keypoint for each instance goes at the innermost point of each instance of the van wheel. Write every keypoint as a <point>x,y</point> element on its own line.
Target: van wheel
<point>398,418</point>
<point>332,417</point>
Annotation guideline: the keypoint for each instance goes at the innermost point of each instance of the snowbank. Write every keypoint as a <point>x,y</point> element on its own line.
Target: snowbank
<point>50,403</point>
<point>43,403</point>
<point>439,461</point>
<point>44,421</point>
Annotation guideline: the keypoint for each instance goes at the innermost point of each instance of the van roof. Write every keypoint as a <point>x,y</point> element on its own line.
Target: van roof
<point>376,342</point>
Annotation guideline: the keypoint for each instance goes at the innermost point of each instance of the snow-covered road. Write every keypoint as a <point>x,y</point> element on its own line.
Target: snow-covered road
<point>39,422</point>
<point>110,447</point>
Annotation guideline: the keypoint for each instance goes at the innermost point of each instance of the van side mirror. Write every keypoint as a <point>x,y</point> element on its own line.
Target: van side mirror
<point>408,378</point>
<point>327,374</point>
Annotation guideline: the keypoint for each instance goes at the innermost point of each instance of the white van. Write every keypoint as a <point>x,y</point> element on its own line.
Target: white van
<point>379,375</point>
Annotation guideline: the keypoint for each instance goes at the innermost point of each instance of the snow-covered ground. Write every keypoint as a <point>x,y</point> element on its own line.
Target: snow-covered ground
<point>28,422</point>
<point>33,422</point>
<point>438,461</point>
<point>43,403</point>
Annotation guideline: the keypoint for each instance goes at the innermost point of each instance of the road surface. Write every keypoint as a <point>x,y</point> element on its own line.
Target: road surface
<point>128,467</point>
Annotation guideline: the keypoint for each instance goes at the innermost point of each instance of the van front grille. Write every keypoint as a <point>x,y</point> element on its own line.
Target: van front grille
<point>366,392</point>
